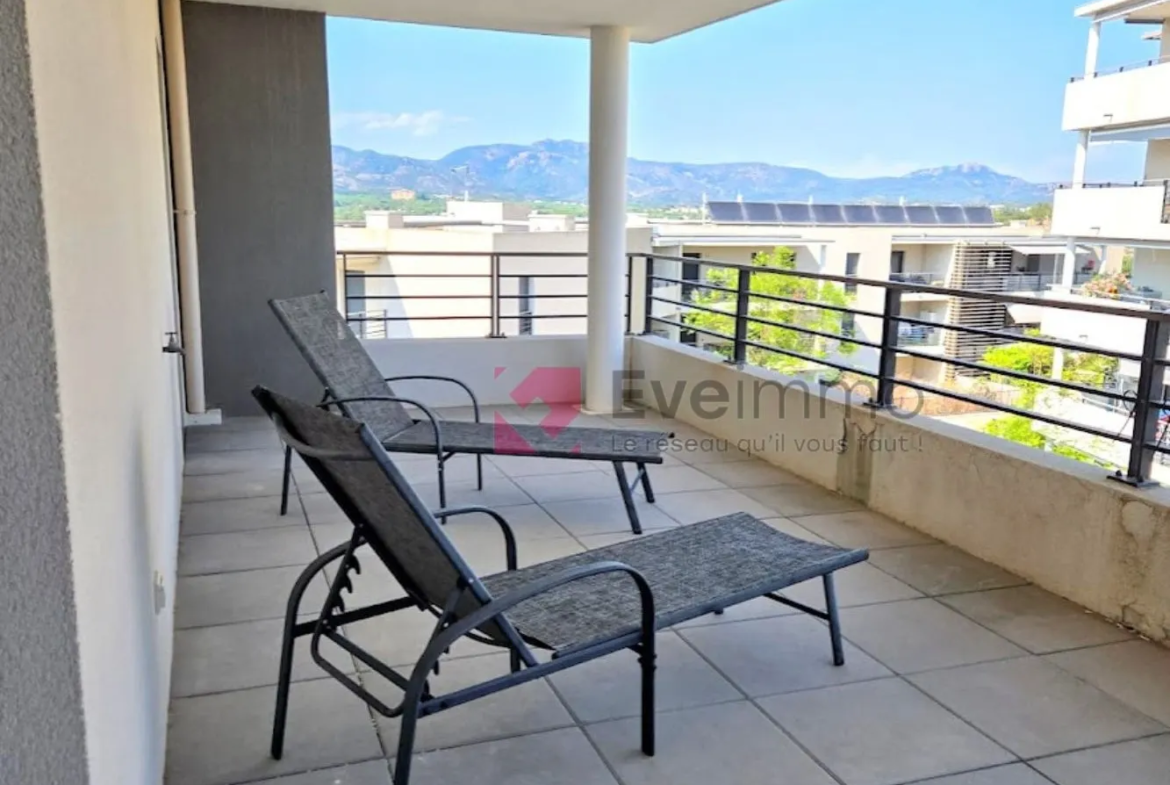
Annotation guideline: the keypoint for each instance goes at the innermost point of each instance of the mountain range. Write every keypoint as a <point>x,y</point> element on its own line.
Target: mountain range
<point>552,170</point>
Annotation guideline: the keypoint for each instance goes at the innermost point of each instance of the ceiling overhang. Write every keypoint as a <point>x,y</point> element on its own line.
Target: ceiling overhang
<point>648,20</point>
<point>1133,11</point>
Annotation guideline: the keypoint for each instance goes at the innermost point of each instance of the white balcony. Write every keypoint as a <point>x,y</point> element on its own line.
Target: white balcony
<point>1125,98</point>
<point>1122,212</point>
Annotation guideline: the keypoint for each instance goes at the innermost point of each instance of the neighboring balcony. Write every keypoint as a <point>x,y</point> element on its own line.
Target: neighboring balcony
<point>1128,96</point>
<point>1125,212</point>
<point>921,278</point>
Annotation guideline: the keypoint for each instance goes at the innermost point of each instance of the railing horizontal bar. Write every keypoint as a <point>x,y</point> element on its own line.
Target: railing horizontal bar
<point>815,360</point>
<point>819,333</point>
<point>813,304</point>
<point>391,276</point>
<point>928,388</point>
<point>544,275</point>
<point>1020,338</point>
<point>696,284</point>
<point>1026,377</point>
<point>418,297</point>
<point>694,306</point>
<point>358,319</point>
<point>543,316</point>
<point>996,297</point>
<point>469,254</point>
<point>537,297</point>
<point>689,328</point>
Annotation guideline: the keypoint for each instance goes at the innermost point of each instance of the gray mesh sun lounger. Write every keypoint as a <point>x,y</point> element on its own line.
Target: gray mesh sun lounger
<point>576,608</point>
<point>354,385</point>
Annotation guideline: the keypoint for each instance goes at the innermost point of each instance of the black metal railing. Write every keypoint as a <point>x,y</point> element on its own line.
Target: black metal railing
<point>735,299</point>
<point>515,290</point>
<point>1121,69</point>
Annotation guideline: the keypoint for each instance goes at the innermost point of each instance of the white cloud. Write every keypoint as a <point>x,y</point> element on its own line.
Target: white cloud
<point>426,123</point>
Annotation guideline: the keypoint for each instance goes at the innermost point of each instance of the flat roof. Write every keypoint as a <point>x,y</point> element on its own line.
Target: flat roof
<point>1139,11</point>
<point>648,20</point>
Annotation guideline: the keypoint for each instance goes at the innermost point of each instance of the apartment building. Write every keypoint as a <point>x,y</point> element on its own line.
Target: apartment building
<point>1112,103</point>
<point>946,246</point>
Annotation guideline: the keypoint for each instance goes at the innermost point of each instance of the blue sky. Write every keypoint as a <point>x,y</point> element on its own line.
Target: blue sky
<point>850,87</point>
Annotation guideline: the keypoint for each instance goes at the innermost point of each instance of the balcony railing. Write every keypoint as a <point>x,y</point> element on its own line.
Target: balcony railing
<point>1124,97</point>
<point>921,278</point>
<point>1120,69</point>
<point>1139,211</point>
<point>492,294</point>
<point>737,304</point>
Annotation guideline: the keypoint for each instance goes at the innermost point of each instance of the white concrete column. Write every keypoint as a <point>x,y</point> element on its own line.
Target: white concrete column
<point>1068,269</point>
<point>609,89</point>
<point>1081,160</point>
<point>1093,50</point>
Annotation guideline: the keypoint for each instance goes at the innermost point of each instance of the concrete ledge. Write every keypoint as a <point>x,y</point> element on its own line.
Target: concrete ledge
<point>492,367</point>
<point>1051,520</point>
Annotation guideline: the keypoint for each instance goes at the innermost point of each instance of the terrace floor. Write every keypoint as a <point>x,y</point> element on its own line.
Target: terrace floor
<point>958,673</point>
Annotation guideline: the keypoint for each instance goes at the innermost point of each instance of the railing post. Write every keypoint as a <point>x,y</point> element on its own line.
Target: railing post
<point>648,307</point>
<point>629,294</point>
<point>494,274</point>
<point>1146,409</point>
<point>888,358</point>
<point>743,292</point>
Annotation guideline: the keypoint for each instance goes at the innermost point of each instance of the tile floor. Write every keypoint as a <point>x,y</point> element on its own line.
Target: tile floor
<point>958,673</point>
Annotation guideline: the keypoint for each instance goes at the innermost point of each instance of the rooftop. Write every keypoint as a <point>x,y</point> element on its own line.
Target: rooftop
<point>953,665</point>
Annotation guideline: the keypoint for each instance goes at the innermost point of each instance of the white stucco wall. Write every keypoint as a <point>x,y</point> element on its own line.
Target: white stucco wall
<point>96,89</point>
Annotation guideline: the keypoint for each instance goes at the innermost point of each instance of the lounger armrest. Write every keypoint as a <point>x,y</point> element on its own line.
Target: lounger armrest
<point>422,406</point>
<point>434,378</point>
<point>509,537</point>
<point>497,607</point>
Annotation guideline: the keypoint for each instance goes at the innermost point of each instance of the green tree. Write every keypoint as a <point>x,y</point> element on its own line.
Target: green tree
<point>1093,370</point>
<point>1040,214</point>
<point>776,313</point>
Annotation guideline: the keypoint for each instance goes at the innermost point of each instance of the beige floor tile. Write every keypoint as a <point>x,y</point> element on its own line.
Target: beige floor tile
<point>1038,621</point>
<point>863,529</point>
<point>224,739</point>
<point>918,635</point>
<point>1034,708</point>
<point>731,743</point>
<point>1136,673</point>
<point>882,732</point>
<point>942,569</point>
<point>608,688</point>
<point>780,654</point>
<point>559,757</point>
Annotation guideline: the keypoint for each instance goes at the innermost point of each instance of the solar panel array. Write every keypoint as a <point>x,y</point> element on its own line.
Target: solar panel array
<point>795,213</point>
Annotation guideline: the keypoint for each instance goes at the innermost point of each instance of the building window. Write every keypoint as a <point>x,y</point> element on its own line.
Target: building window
<point>852,262</point>
<point>355,300</point>
<point>897,263</point>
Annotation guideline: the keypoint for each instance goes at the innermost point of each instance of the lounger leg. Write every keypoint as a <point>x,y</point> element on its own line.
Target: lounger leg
<point>286,644</point>
<point>285,481</point>
<point>647,661</point>
<point>442,484</point>
<point>406,739</point>
<point>645,473</point>
<point>834,620</point>
<point>479,472</point>
<point>514,660</point>
<point>627,497</point>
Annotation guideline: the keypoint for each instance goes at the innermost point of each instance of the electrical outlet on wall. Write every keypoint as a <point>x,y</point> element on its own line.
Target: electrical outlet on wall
<point>160,593</point>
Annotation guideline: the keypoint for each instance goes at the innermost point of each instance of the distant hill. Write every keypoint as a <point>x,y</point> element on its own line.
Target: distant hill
<point>553,170</point>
